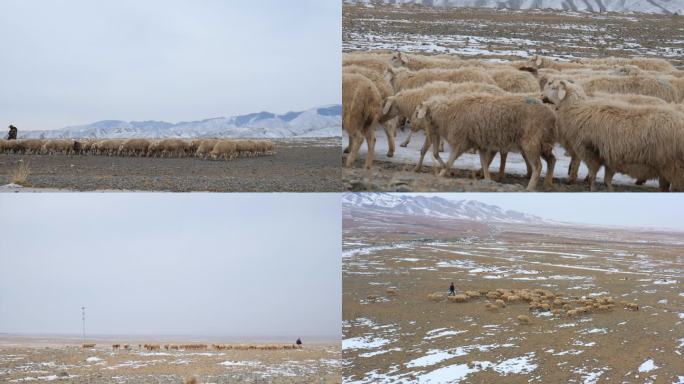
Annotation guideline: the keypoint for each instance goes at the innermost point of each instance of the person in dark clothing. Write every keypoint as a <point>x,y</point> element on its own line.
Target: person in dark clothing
<point>452,289</point>
<point>12,135</point>
<point>299,341</point>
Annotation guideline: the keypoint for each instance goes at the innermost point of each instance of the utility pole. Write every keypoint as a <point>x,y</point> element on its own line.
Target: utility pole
<point>83,318</point>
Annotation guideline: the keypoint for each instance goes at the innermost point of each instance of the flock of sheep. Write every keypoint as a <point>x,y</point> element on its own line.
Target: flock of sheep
<point>215,149</point>
<point>623,114</point>
<point>199,347</point>
<point>538,300</point>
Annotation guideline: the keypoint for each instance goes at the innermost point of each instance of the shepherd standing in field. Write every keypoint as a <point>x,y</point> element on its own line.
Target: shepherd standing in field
<point>452,289</point>
<point>12,135</point>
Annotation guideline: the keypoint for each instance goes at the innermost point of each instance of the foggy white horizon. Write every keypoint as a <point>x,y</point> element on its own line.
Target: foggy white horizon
<point>239,266</point>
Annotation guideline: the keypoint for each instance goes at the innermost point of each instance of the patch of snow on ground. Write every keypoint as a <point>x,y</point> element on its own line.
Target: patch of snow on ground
<point>246,363</point>
<point>365,342</point>
<point>93,359</point>
<point>647,366</point>
<point>434,335</point>
<point>517,365</point>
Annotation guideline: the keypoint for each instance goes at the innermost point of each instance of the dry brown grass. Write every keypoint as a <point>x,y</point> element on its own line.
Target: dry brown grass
<point>20,174</point>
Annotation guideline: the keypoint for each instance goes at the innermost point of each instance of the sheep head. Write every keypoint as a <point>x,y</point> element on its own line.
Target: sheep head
<point>399,59</point>
<point>556,91</point>
<point>420,118</point>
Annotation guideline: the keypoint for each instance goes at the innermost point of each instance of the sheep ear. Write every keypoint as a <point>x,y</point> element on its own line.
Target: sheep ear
<point>422,111</point>
<point>386,108</point>
<point>403,58</point>
<point>538,61</point>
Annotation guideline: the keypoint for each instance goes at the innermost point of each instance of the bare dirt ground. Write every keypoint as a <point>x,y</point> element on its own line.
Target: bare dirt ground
<point>41,359</point>
<point>310,165</point>
<point>496,35</point>
<point>405,337</point>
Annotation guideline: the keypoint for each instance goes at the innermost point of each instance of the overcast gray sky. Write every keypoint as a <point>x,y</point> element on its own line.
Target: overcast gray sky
<point>662,210</point>
<point>242,265</point>
<point>70,62</point>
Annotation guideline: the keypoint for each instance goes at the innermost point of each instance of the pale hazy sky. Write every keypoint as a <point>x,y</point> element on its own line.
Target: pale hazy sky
<point>663,210</point>
<point>70,62</point>
<point>241,265</point>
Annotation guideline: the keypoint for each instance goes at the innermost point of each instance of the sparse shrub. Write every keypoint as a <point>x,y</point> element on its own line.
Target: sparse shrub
<point>20,174</point>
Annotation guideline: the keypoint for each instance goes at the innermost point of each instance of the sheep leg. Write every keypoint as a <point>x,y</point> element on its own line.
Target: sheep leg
<point>346,150</point>
<point>434,138</point>
<point>550,166</point>
<point>485,160</point>
<point>405,143</point>
<point>594,165</point>
<point>370,140</point>
<point>532,156</point>
<point>441,145</point>
<point>608,178</point>
<point>573,169</point>
<point>502,165</point>
<point>401,123</point>
<point>356,139</point>
<point>527,165</point>
<point>490,158</point>
<point>455,153</point>
<point>664,184</point>
<point>426,145</point>
<point>391,131</point>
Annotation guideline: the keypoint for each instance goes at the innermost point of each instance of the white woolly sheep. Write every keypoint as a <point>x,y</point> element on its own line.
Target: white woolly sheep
<point>205,147</point>
<point>404,79</point>
<point>361,104</point>
<point>405,102</point>
<point>641,141</point>
<point>490,123</point>
<point>386,90</point>
<point>224,149</point>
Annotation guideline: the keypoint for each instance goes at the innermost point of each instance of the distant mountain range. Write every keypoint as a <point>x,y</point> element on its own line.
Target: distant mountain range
<point>436,207</point>
<point>316,122</point>
<point>667,7</point>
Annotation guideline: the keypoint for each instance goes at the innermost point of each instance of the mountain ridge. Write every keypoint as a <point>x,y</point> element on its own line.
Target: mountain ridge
<point>438,207</point>
<point>322,121</point>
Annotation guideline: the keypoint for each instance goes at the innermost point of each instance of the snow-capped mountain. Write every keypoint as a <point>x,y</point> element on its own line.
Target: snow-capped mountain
<point>434,206</point>
<point>316,122</point>
<point>666,7</point>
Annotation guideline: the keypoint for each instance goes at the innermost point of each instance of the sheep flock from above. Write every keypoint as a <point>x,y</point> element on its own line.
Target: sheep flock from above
<point>623,114</point>
<point>214,149</point>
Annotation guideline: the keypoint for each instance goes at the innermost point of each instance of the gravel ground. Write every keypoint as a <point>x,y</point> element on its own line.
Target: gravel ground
<point>310,165</point>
